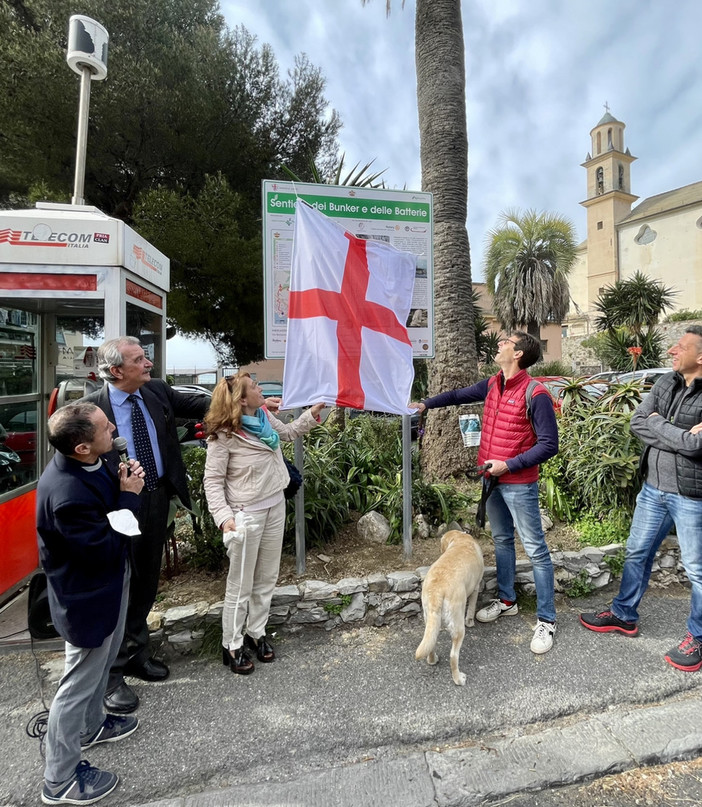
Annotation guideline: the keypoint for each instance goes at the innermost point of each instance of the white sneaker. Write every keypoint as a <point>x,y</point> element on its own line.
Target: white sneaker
<point>495,609</point>
<point>543,637</point>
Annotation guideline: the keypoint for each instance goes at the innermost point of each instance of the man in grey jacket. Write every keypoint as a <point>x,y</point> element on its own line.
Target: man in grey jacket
<point>669,423</point>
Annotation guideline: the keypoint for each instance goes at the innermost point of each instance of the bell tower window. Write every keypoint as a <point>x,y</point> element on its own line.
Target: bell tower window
<point>599,178</point>
<point>599,142</point>
<point>621,177</point>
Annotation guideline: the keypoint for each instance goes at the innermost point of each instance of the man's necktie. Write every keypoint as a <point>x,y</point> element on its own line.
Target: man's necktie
<point>142,444</point>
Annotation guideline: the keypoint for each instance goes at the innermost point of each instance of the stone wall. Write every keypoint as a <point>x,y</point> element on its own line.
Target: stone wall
<point>584,361</point>
<point>383,599</point>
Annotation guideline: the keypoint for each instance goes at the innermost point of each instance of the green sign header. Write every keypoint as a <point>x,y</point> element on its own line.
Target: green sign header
<point>334,206</point>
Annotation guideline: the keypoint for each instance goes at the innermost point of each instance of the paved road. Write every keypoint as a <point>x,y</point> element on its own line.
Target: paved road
<point>350,718</point>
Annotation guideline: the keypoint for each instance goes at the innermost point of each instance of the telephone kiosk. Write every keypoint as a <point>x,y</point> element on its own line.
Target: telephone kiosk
<point>70,277</point>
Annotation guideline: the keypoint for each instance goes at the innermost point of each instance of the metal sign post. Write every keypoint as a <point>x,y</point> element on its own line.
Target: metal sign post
<point>407,486</point>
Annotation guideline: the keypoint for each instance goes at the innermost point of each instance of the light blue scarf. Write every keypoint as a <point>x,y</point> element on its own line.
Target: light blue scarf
<point>259,426</point>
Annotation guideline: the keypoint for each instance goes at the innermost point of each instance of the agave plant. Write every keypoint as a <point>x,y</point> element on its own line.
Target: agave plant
<point>629,312</point>
<point>620,347</point>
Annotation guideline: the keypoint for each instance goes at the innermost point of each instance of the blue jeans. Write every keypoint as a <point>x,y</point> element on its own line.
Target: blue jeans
<point>654,515</point>
<point>511,506</point>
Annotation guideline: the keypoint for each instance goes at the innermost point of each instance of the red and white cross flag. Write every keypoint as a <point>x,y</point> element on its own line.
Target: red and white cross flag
<point>347,342</point>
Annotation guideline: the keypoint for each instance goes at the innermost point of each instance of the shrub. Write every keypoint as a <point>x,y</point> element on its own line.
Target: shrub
<point>596,532</point>
<point>556,367</point>
<point>357,468</point>
<point>596,469</point>
<point>580,586</point>
<point>618,341</point>
<point>684,316</point>
<point>205,540</point>
<point>616,563</point>
<point>327,497</point>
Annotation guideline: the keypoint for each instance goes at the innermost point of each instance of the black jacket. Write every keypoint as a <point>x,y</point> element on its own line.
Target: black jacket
<point>164,405</point>
<point>678,409</point>
<point>83,557</point>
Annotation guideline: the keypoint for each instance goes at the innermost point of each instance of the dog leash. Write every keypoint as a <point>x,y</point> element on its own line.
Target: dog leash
<point>488,486</point>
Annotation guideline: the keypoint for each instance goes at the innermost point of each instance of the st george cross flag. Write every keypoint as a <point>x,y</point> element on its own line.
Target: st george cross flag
<point>349,300</point>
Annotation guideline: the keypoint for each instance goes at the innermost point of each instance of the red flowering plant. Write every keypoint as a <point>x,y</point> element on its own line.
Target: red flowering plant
<point>634,352</point>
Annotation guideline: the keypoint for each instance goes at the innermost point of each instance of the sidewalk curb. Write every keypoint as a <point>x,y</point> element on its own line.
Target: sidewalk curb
<point>483,772</point>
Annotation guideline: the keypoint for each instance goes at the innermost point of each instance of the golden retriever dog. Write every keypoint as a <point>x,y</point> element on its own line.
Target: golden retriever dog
<point>451,582</point>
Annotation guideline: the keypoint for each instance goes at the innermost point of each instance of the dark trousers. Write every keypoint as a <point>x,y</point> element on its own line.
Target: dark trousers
<point>145,556</point>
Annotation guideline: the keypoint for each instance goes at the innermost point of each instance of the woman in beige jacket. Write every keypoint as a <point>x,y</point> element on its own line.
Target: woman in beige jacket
<point>245,473</point>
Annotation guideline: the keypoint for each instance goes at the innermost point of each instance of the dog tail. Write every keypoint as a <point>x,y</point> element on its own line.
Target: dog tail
<point>431,633</point>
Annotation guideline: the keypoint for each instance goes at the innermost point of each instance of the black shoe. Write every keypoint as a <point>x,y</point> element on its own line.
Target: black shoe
<point>262,647</point>
<point>87,786</point>
<point>238,661</point>
<point>606,621</point>
<point>687,655</point>
<point>121,701</point>
<point>151,670</point>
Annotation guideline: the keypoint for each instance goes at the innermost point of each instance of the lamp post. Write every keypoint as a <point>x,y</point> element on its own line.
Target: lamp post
<point>87,56</point>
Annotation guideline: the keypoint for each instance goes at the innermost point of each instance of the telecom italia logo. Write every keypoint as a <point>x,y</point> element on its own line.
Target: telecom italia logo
<point>43,236</point>
<point>336,206</point>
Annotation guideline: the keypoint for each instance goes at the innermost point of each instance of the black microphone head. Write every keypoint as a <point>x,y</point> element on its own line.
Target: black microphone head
<point>120,445</point>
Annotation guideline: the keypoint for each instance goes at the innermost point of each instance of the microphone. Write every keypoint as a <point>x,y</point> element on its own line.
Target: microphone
<point>119,444</point>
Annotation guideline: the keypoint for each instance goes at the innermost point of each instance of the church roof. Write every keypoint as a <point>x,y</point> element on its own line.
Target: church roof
<point>608,118</point>
<point>664,202</point>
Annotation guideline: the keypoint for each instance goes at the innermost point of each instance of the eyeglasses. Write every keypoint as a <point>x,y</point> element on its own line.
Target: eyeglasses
<point>502,341</point>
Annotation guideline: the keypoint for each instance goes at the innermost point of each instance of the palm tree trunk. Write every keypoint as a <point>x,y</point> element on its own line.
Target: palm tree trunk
<point>534,330</point>
<point>439,54</point>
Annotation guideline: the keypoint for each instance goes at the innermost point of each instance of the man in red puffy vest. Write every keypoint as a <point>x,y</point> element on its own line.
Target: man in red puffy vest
<point>514,442</point>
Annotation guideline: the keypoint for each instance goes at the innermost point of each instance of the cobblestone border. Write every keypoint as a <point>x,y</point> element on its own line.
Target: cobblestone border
<point>381,599</point>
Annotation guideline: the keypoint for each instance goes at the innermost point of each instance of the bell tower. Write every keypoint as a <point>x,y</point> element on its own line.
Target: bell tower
<point>609,200</point>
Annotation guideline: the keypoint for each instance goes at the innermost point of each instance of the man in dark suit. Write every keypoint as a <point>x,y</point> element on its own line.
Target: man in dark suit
<point>144,411</point>
<point>85,515</point>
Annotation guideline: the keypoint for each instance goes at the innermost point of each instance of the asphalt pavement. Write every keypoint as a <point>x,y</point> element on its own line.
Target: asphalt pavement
<point>350,718</point>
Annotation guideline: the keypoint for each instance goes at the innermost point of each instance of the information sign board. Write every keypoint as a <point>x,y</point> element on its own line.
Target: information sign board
<point>400,218</point>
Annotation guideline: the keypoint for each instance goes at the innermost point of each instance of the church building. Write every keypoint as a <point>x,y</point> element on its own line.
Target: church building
<point>660,237</point>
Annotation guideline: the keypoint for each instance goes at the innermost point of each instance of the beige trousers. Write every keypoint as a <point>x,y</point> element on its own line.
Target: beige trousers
<point>247,600</point>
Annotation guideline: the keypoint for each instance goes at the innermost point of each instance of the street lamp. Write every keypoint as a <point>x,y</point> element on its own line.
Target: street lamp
<point>87,56</point>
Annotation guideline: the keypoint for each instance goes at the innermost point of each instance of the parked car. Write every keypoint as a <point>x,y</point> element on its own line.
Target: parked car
<point>271,389</point>
<point>190,435</point>
<point>605,377</point>
<point>21,437</point>
<point>554,384</point>
<point>647,378</point>
<point>190,388</point>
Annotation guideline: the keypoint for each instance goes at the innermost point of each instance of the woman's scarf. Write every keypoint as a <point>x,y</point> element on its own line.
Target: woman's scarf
<point>259,426</point>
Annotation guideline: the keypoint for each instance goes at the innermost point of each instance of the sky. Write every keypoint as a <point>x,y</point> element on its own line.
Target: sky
<point>538,73</point>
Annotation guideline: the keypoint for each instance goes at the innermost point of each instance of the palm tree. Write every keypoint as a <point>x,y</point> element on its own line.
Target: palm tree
<point>526,269</point>
<point>441,104</point>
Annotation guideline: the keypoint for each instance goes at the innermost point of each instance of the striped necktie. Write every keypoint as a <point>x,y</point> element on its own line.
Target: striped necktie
<point>142,444</point>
